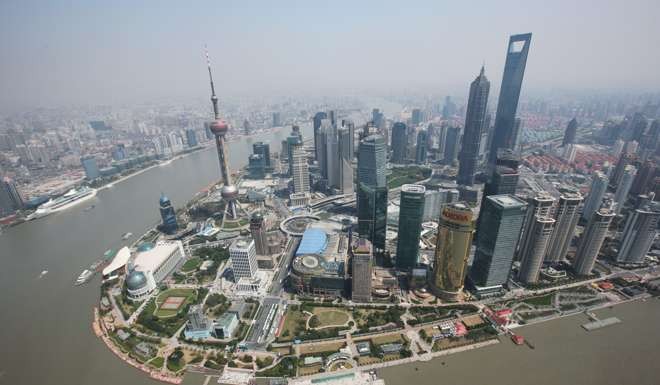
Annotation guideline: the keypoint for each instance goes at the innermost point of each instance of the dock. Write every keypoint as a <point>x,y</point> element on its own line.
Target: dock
<point>597,324</point>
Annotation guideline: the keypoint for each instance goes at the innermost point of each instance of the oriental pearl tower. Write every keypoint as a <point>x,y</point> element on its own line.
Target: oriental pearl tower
<point>219,128</point>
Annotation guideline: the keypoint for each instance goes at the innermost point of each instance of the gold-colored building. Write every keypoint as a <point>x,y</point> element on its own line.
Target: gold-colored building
<point>452,250</point>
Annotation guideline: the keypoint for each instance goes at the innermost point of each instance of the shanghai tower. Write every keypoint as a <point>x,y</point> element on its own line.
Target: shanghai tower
<point>474,125</point>
<point>514,71</point>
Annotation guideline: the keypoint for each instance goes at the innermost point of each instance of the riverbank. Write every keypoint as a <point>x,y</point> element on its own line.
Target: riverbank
<point>564,354</point>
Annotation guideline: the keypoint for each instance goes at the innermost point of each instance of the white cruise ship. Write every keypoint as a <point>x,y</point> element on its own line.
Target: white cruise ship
<point>70,199</point>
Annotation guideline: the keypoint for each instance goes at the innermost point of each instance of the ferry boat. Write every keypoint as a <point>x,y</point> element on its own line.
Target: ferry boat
<point>84,277</point>
<point>70,199</point>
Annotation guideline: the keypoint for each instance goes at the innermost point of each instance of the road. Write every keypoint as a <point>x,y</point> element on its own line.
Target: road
<point>283,267</point>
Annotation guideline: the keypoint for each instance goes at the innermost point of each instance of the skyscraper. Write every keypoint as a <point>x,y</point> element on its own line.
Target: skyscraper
<point>571,131</point>
<point>399,143</point>
<point>644,180</point>
<point>566,219</point>
<point>277,119</point>
<point>345,158</point>
<point>416,117</point>
<point>318,141</point>
<point>411,213</point>
<point>10,198</point>
<point>639,233</point>
<point>538,205</point>
<point>299,168</point>
<point>621,194</point>
<point>596,194</point>
<point>507,105</point>
<point>258,233</point>
<point>263,149</point>
<point>361,257</point>
<point>422,146</point>
<point>90,166</point>
<point>243,256</point>
<point>168,215</point>
<point>372,190</point>
<point>499,231</point>
<point>591,241</point>
<point>452,142</point>
<point>452,250</point>
<point>533,252</point>
<point>474,125</point>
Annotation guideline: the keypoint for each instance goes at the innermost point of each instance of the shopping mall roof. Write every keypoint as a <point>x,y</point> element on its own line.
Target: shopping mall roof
<point>314,241</point>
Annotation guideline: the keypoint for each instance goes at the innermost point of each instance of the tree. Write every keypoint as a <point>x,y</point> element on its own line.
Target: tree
<point>314,322</point>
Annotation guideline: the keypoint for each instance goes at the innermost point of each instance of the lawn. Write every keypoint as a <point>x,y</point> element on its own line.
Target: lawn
<point>405,175</point>
<point>293,321</point>
<point>191,264</point>
<point>316,349</point>
<point>387,339</point>
<point>544,300</point>
<point>157,362</point>
<point>189,294</point>
<point>330,317</point>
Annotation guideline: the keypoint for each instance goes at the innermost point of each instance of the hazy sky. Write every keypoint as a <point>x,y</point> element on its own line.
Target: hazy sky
<point>60,52</point>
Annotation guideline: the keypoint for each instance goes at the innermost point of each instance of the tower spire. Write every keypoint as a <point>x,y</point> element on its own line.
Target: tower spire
<point>214,99</point>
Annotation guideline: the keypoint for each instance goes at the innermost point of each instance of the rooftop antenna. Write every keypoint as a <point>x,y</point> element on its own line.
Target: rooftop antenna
<point>214,99</point>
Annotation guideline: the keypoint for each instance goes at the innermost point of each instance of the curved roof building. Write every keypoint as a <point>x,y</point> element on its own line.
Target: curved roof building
<point>314,241</point>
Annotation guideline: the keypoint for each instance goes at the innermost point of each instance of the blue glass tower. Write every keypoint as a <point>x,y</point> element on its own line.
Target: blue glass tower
<point>168,215</point>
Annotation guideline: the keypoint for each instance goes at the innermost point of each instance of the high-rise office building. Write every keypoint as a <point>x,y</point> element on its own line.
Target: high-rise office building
<point>422,147</point>
<point>596,193</point>
<point>10,198</point>
<point>644,179</point>
<point>538,205</point>
<point>277,119</point>
<point>416,117</point>
<point>566,218</point>
<point>361,261</point>
<point>591,241</point>
<point>318,141</point>
<point>258,233</point>
<point>191,138</point>
<point>399,143</point>
<point>256,166</point>
<point>452,250</point>
<point>243,256</point>
<point>504,178</point>
<point>168,215</point>
<point>533,252</point>
<point>263,149</point>
<point>452,144</point>
<point>499,231</point>
<point>468,158</point>
<point>639,233</point>
<point>91,167</point>
<point>411,213</point>
<point>345,158</point>
<point>621,194</point>
<point>571,131</point>
<point>507,105</point>
<point>372,190</point>
<point>299,168</point>
<point>292,141</point>
<point>617,174</point>
<point>377,118</point>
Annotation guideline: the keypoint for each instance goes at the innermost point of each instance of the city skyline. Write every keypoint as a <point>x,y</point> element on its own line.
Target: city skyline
<point>123,48</point>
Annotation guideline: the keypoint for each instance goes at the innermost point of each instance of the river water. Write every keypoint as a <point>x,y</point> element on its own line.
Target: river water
<point>622,354</point>
<point>45,324</point>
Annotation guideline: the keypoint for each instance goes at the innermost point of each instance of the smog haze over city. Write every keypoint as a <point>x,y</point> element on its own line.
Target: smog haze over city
<point>80,52</point>
<point>343,192</point>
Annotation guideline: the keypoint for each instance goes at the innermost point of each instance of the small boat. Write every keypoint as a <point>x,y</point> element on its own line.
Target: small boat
<point>126,236</point>
<point>84,277</point>
<point>89,208</point>
<point>42,274</point>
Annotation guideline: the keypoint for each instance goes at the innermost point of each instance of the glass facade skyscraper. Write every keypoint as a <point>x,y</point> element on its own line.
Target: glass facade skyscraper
<point>499,231</point>
<point>474,126</point>
<point>399,143</point>
<point>507,105</point>
<point>372,190</point>
<point>411,213</point>
<point>168,215</point>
